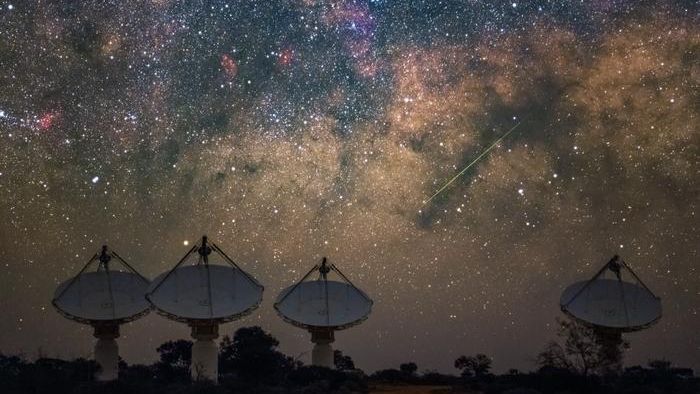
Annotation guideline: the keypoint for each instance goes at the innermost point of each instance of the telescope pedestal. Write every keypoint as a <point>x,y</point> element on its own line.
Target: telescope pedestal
<point>107,351</point>
<point>322,353</point>
<point>205,353</point>
<point>611,344</point>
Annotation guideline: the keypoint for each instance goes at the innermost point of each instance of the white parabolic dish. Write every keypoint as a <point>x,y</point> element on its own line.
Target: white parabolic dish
<point>206,292</point>
<point>102,296</point>
<point>307,305</point>
<point>611,303</point>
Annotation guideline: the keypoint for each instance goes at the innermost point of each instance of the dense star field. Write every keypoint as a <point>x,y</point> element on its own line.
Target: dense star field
<point>291,130</point>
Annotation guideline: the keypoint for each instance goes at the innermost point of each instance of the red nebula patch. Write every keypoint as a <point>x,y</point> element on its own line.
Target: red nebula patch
<point>229,65</point>
<point>47,120</point>
<point>286,57</point>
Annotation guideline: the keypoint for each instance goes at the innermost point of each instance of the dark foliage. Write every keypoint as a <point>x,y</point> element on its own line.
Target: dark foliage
<point>474,366</point>
<point>408,368</point>
<point>312,379</point>
<point>251,363</point>
<point>388,376</point>
<point>45,375</point>
<point>582,350</point>
<point>437,379</point>
<point>174,364</point>
<point>407,374</point>
<point>637,380</point>
<point>176,353</point>
<point>252,357</point>
<point>342,362</point>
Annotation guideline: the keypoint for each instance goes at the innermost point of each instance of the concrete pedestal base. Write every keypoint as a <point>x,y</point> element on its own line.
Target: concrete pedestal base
<point>205,353</point>
<point>107,356</point>
<point>107,352</point>
<point>611,344</point>
<point>322,353</point>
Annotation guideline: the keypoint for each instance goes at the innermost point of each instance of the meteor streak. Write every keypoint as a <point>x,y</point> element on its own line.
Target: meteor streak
<point>468,166</point>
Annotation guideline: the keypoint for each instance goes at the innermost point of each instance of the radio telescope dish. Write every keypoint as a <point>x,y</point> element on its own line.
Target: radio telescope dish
<point>612,303</point>
<point>104,298</point>
<point>612,306</point>
<point>322,307</point>
<point>205,292</point>
<point>204,295</point>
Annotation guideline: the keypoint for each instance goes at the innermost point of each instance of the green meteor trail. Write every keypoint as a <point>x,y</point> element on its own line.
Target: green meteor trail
<point>468,166</point>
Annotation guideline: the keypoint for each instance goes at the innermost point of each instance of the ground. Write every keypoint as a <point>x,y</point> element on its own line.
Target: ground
<point>412,389</point>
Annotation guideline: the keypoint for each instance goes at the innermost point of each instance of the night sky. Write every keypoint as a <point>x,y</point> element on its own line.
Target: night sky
<point>291,130</point>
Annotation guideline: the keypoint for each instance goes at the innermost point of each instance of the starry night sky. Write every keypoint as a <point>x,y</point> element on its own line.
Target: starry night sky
<point>291,130</point>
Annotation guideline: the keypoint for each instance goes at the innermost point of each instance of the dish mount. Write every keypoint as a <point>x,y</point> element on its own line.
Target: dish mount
<point>323,306</point>
<point>104,298</point>
<point>612,306</point>
<point>204,295</point>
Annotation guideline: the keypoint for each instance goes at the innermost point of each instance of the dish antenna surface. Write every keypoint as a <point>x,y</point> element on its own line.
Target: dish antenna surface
<point>204,295</point>
<point>104,298</point>
<point>322,307</point>
<point>612,306</point>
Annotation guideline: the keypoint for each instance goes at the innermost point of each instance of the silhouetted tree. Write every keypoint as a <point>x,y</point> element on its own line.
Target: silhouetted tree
<point>175,360</point>
<point>610,351</point>
<point>659,365</point>
<point>663,369</point>
<point>54,376</point>
<point>50,375</point>
<point>409,368</point>
<point>583,350</point>
<point>437,378</point>
<point>10,367</point>
<point>477,366</point>
<point>252,355</point>
<point>342,362</point>
<point>177,354</point>
<point>388,375</point>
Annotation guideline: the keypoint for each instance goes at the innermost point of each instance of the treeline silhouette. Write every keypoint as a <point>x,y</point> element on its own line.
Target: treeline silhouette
<point>250,362</point>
